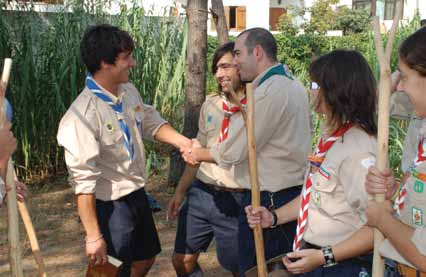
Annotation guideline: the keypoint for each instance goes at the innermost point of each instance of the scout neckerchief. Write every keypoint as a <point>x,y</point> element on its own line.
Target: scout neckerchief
<point>228,112</point>
<point>118,110</point>
<point>421,157</point>
<point>315,162</point>
<point>276,70</point>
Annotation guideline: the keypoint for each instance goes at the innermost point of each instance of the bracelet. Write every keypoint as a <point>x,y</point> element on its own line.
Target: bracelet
<point>93,241</point>
<point>274,220</point>
<point>327,251</point>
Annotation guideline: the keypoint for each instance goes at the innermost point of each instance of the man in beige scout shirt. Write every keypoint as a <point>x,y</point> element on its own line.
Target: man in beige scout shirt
<point>102,135</point>
<point>282,137</point>
<point>213,201</point>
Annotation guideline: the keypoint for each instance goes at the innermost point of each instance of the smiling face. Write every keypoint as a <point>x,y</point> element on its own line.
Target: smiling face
<point>243,60</point>
<point>414,85</point>
<point>227,73</point>
<point>119,71</point>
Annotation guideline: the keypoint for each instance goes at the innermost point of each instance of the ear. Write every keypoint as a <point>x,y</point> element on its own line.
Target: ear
<point>258,52</point>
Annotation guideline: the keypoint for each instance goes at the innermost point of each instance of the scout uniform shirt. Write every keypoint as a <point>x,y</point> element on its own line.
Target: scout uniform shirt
<point>401,108</point>
<point>282,134</point>
<point>338,201</point>
<point>95,154</point>
<point>209,126</point>
<point>413,212</point>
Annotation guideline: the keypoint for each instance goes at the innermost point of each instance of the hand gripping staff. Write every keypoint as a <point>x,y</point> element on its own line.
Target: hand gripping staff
<point>383,120</point>
<point>15,250</point>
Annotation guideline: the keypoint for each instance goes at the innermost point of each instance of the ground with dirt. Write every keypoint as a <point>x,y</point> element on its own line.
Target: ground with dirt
<point>53,211</point>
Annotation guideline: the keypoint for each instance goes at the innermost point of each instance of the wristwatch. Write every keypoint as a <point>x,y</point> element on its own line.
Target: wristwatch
<point>328,256</point>
<point>274,219</point>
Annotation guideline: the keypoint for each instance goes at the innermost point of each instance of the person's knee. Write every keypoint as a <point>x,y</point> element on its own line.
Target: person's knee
<point>184,263</point>
<point>141,268</point>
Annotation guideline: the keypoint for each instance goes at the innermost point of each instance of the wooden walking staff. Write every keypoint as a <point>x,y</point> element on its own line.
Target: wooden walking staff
<point>383,120</point>
<point>15,252</point>
<point>248,116</point>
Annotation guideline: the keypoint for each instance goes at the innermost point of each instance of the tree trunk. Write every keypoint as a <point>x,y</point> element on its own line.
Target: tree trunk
<point>195,79</point>
<point>219,19</point>
<point>373,8</point>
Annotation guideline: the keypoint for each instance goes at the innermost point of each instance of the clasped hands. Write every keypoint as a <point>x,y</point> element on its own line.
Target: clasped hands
<point>189,153</point>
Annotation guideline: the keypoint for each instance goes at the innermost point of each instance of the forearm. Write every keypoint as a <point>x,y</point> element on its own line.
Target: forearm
<point>167,134</point>
<point>203,155</point>
<point>360,243</point>
<point>400,234</point>
<point>186,180</point>
<point>3,170</point>
<point>86,206</point>
<point>288,212</point>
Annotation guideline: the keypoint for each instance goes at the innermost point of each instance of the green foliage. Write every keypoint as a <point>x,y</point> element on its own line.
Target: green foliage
<point>48,74</point>
<point>286,24</point>
<point>322,17</point>
<point>352,21</point>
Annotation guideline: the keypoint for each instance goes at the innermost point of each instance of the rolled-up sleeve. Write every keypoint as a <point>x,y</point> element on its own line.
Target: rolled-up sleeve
<point>268,112</point>
<point>81,150</point>
<point>152,121</point>
<point>202,132</point>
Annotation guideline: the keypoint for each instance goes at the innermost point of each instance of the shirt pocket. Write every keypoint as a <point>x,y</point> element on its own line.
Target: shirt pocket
<point>416,188</point>
<point>324,191</point>
<point>113,148</point>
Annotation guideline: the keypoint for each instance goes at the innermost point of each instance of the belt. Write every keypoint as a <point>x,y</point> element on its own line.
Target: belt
<point>408,271</point>
<point>219,188</point>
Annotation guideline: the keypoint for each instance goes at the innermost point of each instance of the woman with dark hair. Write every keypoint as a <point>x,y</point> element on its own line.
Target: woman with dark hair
<point>406,232</point>
<point>331,236</point>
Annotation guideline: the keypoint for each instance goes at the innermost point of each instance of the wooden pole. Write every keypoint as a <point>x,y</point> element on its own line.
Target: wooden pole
<point>11,178</point>
<point>15,254</point>
<point>254,180</point>
<point>383,119</point>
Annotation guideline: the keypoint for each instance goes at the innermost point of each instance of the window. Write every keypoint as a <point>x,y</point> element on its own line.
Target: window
<point>274,16</point>
<point>361,4</point>
<point>235,17</point>
<point>389,9</point>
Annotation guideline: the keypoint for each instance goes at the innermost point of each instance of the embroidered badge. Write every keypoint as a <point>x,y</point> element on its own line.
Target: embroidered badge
<point>317,198</point>
<point>363,273</point>
<point>417,216</point>
<point>138,108</point>
<point>324,173</point>
<point>109,127</point>
<point>209,118</point>
<point>418,186</point>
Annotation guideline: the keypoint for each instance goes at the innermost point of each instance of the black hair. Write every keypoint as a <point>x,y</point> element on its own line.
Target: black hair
<point>348,87</point>
<point>413,51</point>
<point>103,43</point>
<point>262,37</point>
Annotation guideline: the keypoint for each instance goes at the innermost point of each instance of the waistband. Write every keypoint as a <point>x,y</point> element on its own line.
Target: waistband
<point>217,188</point>
<point>408,271</point>
<point>298,187</point>
<point>364,261</point>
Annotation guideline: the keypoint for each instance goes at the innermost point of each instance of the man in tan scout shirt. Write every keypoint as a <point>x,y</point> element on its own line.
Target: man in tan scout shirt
<point>213,200</point>
<point>102,135</point>
<point>282,138</point>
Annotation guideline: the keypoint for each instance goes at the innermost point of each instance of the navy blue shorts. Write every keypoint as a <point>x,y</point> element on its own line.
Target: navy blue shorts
<point>355,267</point>
<point>209,213</point>
<point>128,229</point>
<point>277,241</point>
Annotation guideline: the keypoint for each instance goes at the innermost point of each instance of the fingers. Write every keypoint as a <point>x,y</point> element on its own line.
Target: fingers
<point>21,191</point>
<point>377,182</point>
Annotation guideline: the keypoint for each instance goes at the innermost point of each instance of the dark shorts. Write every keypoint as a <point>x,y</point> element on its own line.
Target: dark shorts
<point>209,213</point>
<point>277,241</point>
<point>128,229</point>
<point>355,267</point>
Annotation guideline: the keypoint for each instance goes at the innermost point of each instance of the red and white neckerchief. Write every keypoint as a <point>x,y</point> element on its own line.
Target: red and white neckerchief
<point>420,158</point>
<point>315,161</point>
<point>228,111</point>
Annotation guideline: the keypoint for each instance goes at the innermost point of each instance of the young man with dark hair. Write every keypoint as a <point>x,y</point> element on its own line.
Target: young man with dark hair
<point>213,200</point>
<point>282,140</point>
<point>102,135</point>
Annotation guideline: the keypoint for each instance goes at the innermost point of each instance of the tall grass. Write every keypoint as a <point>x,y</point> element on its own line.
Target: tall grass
<point>48,73</point>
